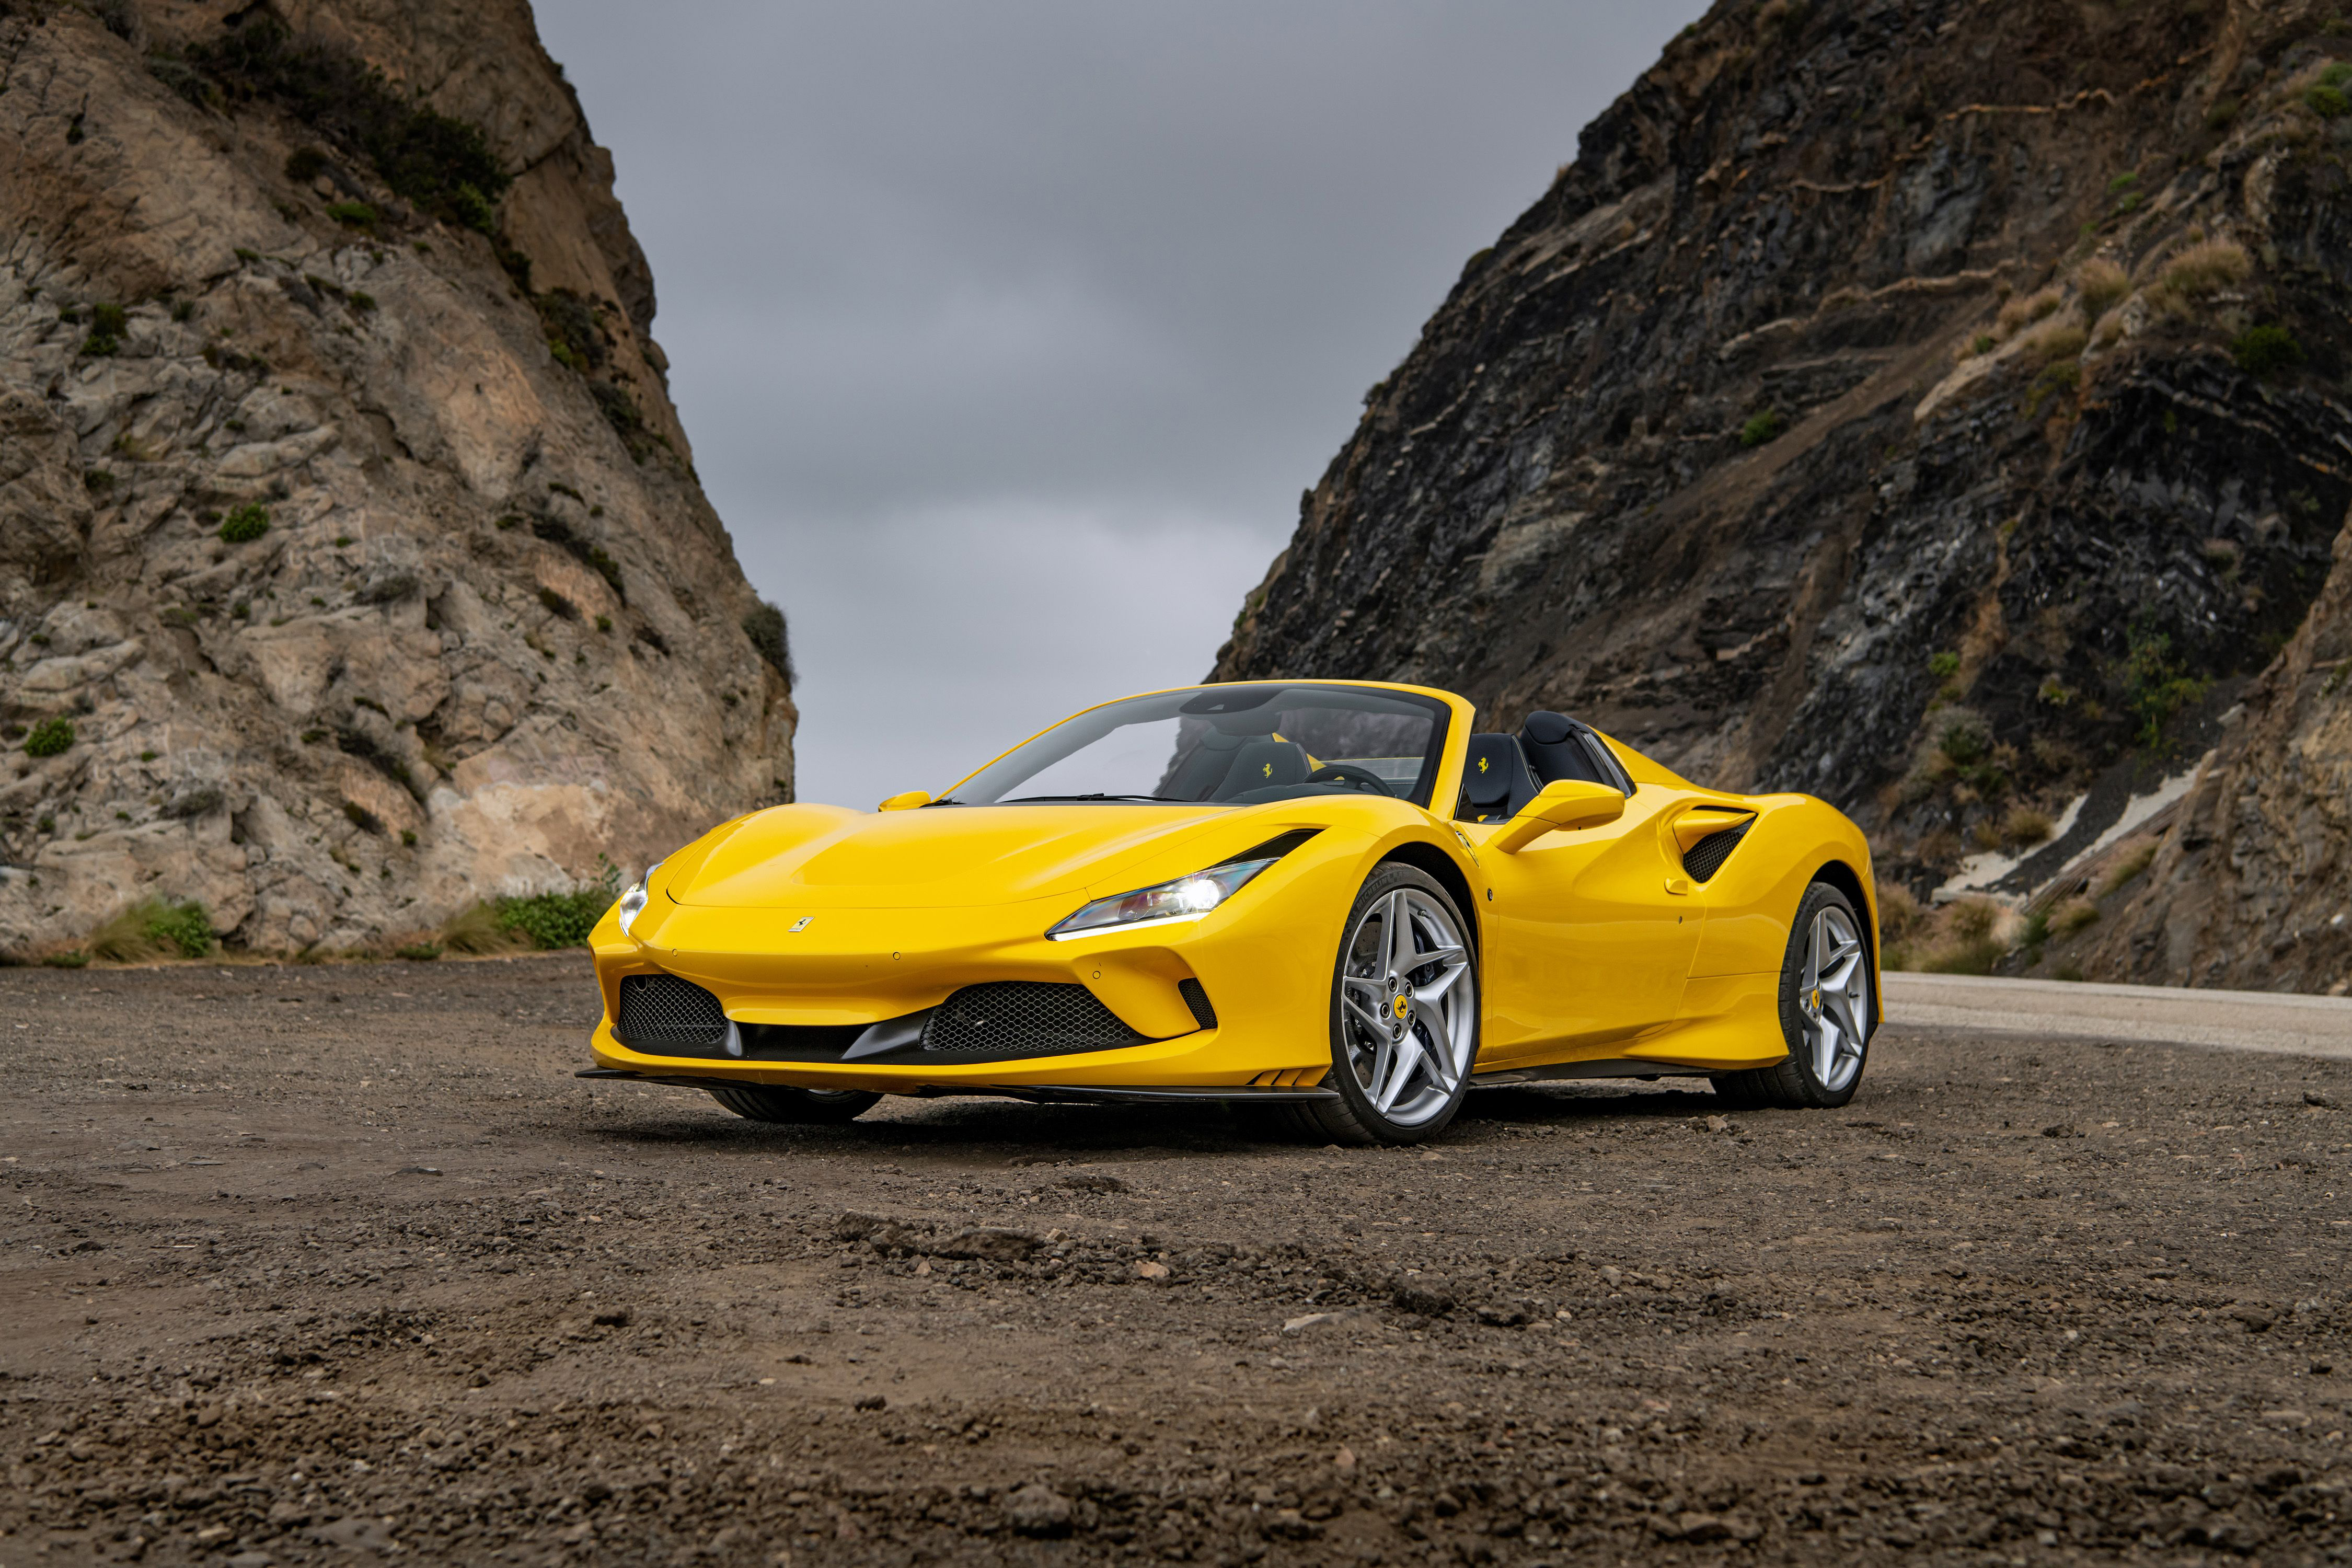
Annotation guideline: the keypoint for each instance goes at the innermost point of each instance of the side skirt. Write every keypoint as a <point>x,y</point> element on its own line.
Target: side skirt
<point>1614,1067</point>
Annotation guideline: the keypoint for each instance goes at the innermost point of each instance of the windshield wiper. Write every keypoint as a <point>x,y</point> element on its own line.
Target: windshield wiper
<point>1025,799</point>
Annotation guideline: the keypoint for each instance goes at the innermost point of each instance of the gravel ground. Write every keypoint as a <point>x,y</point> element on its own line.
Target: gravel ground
<point>328,1264</point>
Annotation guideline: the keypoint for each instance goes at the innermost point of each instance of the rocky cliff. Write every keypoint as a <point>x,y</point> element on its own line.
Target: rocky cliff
<point>1935,406</point>
<point>352,563</point>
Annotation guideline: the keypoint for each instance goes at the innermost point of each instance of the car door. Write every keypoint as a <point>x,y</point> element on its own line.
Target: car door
<point>1590,933</point>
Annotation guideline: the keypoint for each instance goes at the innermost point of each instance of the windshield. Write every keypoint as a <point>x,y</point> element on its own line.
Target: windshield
<point>1234,745</point>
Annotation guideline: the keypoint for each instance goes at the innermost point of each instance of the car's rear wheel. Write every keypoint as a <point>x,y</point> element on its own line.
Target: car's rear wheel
<point>1826,1016</point>
<point>794,1107</point>
<point>1404,1015</point>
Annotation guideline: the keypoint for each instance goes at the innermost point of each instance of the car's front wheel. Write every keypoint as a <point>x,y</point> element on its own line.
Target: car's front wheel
<point>1404,1015</point>
<point>794,1107</point>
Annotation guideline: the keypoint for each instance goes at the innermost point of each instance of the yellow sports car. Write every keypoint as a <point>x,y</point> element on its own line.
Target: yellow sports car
<point>1335,898</point>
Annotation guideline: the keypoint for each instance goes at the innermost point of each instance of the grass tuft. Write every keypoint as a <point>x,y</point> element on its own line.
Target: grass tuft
<point>152,928</point>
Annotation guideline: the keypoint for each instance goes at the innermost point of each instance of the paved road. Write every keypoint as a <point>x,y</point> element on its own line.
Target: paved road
<point>2223,1020</point>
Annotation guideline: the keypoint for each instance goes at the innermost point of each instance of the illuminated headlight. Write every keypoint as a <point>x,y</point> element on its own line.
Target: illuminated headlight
<point>633,903</point>
<point>1185,898</point>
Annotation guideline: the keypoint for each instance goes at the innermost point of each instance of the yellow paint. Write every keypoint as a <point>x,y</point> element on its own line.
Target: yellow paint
<point>816,914</point>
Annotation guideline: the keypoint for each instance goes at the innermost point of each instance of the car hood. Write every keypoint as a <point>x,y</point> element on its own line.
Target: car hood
<point>937,856</point>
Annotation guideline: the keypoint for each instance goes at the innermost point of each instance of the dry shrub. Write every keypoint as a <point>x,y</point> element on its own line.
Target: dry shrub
<point>2125,866</point>
<point>478,931</point>
<point>2193,273</point>
<point>2072,916</point>
<point>2103,284</point>
<point>1900,916</point>
<point>2110,330</point>
<point>1984,835</point>
<point>2025,310</point>
<point>2025,825</point>
<point>154,928</point>
<point>2054,341</point>
<point>1969,939</point>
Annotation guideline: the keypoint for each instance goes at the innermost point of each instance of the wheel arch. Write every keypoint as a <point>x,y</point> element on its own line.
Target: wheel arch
<point>1422,856</point>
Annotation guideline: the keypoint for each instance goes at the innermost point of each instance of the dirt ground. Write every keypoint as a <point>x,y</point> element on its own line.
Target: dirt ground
<point>339,1265</point>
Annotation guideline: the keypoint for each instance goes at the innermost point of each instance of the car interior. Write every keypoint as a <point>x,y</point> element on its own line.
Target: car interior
<point>1501,774</point>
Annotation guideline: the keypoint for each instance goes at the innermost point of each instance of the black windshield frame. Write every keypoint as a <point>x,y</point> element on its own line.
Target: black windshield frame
<point>1245,695</point>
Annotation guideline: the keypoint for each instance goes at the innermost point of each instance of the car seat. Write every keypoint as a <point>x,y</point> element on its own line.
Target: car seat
<point>1495,783</point>
<point>1557,747</point>
<point>1264,764</point>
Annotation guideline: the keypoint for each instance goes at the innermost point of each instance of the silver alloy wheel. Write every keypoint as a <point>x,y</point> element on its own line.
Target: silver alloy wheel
<point>1835,999</point>
<point>1408,1006</point>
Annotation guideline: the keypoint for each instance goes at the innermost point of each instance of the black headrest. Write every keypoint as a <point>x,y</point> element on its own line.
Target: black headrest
<point>1494,779</point>
<point>1557,747</point>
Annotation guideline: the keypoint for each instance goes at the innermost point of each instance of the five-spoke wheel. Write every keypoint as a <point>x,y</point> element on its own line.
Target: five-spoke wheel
<point>1404,1015</point>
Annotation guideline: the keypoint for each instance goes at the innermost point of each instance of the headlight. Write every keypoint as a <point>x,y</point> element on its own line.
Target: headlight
<point>633,903</point>
<point>1185,898</point>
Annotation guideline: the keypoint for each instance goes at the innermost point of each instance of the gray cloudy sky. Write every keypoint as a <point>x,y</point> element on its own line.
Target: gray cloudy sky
<point>1008,334</point>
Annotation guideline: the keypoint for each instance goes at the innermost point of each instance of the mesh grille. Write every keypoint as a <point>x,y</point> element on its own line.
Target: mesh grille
<point>1705,857</point>
<point>664,1016</point>
<point>1021,1018</point>
<point>1197,999</point>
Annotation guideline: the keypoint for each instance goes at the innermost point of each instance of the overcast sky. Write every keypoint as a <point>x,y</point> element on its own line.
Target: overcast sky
<point>1008,334</point>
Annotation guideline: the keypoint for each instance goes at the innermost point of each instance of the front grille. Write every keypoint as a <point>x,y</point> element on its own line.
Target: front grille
<point>1197,999</point>
<point>1021,1018</point>
<point>1705,857</point>
<point>664,1016</point>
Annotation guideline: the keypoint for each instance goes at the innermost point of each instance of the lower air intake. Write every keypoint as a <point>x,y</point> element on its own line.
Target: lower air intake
<point>1023,1019</point>
<point>1196,997</point>
<point>664,1016</point>
<point>1705,857</point>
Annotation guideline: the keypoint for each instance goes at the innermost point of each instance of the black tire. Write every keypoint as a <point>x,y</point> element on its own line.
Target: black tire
<point>1796,1082</point>
<point>1353,1118</point>
<point>795,1107</point>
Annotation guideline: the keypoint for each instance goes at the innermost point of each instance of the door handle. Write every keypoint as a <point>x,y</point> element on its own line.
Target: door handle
<point>1678,885</point>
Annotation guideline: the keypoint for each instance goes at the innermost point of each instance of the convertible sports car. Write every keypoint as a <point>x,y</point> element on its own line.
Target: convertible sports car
<point>1333,898</point>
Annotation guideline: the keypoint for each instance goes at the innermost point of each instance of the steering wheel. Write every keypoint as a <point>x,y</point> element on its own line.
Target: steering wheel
<point>1363,779</point>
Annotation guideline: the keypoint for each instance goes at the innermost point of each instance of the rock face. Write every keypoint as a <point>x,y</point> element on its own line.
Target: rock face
<point>1936,407</point>
<point>343,513</point>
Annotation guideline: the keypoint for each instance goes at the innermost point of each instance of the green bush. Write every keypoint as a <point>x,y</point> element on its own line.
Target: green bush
<point>2156,685</point>
<point>442,165</point>
<point>245,524</point>
<point>1965,739</point>
<point>155,927</point>
<point>74,959</point>
<point>2266,352</point>
<point>2325,101</point>
<point>354,215</point>
<point>418,952</point>
<point>49,738</point>
<point>1943,666</point>
<point>106,325</point>
<point>1764,425</point>
<point>562,919</point>
<point>765,626</point>
<point>305,165</point>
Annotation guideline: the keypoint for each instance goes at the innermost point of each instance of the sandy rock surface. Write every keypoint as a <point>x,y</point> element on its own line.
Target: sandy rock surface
<point>493,629</point>
<point>304,1259</point>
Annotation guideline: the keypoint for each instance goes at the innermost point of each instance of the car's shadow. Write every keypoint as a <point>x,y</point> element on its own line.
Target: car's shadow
<point>1014,1132</point>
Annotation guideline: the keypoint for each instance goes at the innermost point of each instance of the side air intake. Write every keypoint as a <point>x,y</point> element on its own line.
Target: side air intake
<point>1705,857</point>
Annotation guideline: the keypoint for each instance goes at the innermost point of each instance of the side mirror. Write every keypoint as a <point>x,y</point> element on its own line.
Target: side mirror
<point>907,802</point>
<point>1561,804</point>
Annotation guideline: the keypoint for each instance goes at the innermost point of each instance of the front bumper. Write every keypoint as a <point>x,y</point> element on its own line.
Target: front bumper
<point>1268,986</point>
